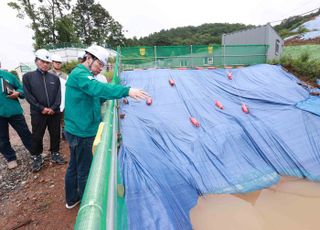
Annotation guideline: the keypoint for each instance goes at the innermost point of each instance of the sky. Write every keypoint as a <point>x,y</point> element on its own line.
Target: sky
<point>142,17</point>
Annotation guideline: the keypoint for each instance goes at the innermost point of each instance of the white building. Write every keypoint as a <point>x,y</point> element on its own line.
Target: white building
<point>67,54</point>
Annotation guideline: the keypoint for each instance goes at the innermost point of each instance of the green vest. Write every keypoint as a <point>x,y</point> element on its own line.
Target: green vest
<point>10,107</point>
<point>82,106</point>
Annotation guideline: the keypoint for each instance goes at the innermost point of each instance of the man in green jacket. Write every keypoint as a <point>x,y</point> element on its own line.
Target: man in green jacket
<point>82,117</point>
<point>11,113</point>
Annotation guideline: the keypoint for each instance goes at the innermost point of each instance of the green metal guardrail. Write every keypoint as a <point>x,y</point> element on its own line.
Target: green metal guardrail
<point>102,205</point>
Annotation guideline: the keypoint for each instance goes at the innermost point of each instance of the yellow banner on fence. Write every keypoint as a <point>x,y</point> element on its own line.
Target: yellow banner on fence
<point>142,51</point>
<point>97,139</point>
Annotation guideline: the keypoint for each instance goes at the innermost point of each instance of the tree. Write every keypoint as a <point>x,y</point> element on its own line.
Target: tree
<point>131,41</point>
<point>63,27</point>
<point>205,34</point>
<point>46,18</point>
<point>93,23</point>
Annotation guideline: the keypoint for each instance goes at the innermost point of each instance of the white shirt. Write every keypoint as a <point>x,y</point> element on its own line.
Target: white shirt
<point>101,78</point>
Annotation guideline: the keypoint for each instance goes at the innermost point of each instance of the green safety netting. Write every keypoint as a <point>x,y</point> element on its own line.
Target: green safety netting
<point>192,56</point>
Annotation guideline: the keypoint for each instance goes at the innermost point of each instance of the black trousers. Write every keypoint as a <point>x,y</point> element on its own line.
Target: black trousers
<point>39,124</point>
<point>17,122</point>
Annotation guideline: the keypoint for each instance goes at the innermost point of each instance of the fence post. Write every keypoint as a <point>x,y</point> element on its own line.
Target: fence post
<point>191,56</point>
<point>155,56</point>
<point>224,49</point>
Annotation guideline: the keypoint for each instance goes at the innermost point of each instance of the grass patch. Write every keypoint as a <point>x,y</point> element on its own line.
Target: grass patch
<point>304,65</point>
<point>296,51</point>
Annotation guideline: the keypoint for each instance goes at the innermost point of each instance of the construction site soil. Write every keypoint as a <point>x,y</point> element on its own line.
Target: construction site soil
<point>297,42</point>
<point>33,200</point>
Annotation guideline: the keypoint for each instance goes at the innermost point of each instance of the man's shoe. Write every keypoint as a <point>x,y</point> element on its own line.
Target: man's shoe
<point>37,163</point>
<point>57,158</point>
<point>71,206</point>
<point>12,164</point>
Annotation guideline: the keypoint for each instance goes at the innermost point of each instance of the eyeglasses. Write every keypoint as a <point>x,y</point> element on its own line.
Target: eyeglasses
<point>100,63</point>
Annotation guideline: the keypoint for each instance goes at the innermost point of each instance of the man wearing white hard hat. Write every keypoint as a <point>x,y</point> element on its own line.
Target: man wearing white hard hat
<point>56,66</point>
<point>42,90</point>
<point>98,77</point>
<point>82,117</point>
<point>56,69</point>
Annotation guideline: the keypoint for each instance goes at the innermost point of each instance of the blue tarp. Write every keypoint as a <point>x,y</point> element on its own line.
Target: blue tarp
<point>166,162</point>
<point>311,104</point>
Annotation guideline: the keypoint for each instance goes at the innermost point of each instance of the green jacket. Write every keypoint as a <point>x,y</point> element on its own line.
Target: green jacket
<point>82,101</point>
<point>8,106</point>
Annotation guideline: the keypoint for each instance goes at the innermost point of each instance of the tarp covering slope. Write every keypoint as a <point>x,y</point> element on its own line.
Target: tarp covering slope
<point>167,163</point>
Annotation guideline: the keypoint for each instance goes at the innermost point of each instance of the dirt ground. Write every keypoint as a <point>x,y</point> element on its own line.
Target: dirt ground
<point>33,200</point>
<point>296,42</point>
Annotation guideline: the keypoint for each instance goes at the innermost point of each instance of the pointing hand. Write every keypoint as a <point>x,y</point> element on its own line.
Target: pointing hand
<point>138,94</point>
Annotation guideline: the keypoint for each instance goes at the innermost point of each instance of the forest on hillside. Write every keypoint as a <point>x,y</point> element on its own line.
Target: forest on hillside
<point>209,33</point>
<point>287,25</point>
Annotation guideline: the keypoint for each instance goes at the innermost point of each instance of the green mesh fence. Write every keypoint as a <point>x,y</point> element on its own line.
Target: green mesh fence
<point>191,56</point>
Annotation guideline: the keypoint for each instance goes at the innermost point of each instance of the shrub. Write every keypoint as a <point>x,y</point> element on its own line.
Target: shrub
<point>302,66</point>
<point>68,66</point>
<point>109,75</point>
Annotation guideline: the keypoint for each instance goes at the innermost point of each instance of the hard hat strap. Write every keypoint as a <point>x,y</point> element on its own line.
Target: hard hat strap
<point>93,60</point>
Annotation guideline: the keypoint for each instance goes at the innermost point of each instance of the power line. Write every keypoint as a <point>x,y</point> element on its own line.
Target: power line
<point>302,4</point>
<point>297,15</point>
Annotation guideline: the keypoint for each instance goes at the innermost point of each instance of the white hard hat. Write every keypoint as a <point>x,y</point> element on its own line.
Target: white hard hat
<point>81,54</point>
<point>99,52</point>
<point>56,58</point>
<point>43,55</point>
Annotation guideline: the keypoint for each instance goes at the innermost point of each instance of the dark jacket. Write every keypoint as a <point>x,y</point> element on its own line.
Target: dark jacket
<point>42,90</point>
